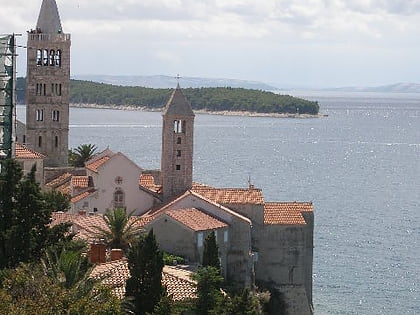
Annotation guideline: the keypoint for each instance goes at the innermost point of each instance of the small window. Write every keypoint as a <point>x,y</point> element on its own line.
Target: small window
<point>55,115</point>
<point>85,204</point>
<point>59,90</point>
<point>95,209</point>
<point>39,57</point>
<point>39,115</point>
<point>225,236</point>
<point>178,126</point>
<point>178,167</point>
<point>24,139</point>
<point>118,198</point>
<point>56,141</point>
<point>58,58</point>
<point>44,89</point>
<point>200,239</point>
<point>39,141</point>
<point>178,153</point>
<point>118,180</point>
<point>178,140</point>
<point>45,57</point>
<point>52,57</point>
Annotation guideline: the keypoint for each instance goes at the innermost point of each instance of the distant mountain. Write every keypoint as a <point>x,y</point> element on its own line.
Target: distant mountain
<point>165,82</point>
<point>392,88</point>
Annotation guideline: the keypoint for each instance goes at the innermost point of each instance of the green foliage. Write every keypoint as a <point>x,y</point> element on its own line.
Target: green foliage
<point>57,201</point>
<point>211,252</point>
<point>211,99</point>
<point>164,306</point>
<point>209,284</point>
<point>81,154</point>
<point>245,303</point>
<point>145,262</point>
<point>24,217</point>
<point>121,231</point>
<point>170,259</point>
<point>29,290</point>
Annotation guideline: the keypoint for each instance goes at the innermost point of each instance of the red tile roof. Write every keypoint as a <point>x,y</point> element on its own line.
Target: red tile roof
<point>82,195</point>
<point>59,180</point>
<point>64,189</point>
<point>80,181</point>
<point>195,219</point>
<point>23,152</point>
<point>93,166</point>
<point>114,274</point>
<point>286,213</point>
<point>148,181</point>
<point>231,195</point>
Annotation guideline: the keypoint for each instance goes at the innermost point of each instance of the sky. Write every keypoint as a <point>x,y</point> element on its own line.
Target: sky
<point>302,43</point>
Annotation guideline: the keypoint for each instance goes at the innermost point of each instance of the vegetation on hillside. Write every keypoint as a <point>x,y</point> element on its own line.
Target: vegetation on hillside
<point>211,99</point>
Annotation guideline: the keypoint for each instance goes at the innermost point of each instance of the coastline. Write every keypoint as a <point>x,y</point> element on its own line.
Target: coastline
<point>201,111</point>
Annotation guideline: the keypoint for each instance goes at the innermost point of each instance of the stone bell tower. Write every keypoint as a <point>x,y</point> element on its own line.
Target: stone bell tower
<point>177,145</point>
<point>47,87</point>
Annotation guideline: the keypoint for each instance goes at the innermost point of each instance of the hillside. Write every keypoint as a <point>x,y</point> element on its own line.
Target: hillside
<point>210,99</point>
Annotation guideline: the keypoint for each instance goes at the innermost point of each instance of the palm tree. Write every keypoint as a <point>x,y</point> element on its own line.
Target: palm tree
<point>122,228</point>
<point>81,154</point>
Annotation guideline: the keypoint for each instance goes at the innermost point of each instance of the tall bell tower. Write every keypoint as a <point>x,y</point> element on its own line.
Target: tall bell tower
<point>177,145</point>
<point>47,87</point>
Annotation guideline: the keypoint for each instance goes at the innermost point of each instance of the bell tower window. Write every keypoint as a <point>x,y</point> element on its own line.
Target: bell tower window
<point>52,57</point>
<point>58,58</point>
<point>56,141</point>
<point>178,140</point>
<point>39,57</point>
<point>39,141</point>
<point>45,57</point>
<point>39,115</point>
<point>177,126</point>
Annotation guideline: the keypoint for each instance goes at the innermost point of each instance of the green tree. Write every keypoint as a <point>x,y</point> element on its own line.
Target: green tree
<point>245,303</point>
<point>81,154</point>
<point>209,284</point>
<point>211,252</point>
<point>57,201</point>
<point>145,262</point>
<point>122,229</point>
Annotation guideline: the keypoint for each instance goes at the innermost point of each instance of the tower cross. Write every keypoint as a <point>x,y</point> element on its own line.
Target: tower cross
<point>177,78</point>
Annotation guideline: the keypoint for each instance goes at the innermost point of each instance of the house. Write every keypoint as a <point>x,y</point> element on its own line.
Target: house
<point>27,158</point>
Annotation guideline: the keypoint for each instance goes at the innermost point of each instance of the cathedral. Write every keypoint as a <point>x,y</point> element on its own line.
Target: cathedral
<point>261,243</point>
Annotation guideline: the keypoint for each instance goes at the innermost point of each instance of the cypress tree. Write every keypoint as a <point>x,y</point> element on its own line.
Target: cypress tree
<point>211,252</point>
<point>145,262</point>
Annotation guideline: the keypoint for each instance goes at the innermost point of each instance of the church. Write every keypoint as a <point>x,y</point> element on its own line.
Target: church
<point>261,243</point>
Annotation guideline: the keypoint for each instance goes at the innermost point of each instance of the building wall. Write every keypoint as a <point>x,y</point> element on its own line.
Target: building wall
<point>52,132</point>
<point>27,165</point>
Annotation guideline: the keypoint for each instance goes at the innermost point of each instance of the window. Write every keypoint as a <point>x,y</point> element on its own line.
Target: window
<point>55,115</point>
<point>118,198</point>
<point>39,57</point>
<point>200,239</point>
<point>118,180</point>
<point>225,236</point>
<point>58,58</point>
<point>56,141</point>
<point>177,126</point>
<point>85,204</point>
<point>52,57</point>
<point>24,139</point>
<point>45,57</point>
<point>38,89</point>
<point>95,209</point>
<point>39,141</point>
<point>178,152</point>
<point>178,141</point>
<point>39,115</point>
<point>178,167</point>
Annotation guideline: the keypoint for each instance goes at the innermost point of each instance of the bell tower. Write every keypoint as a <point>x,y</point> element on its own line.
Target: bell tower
<point>47,87</point>
<point>177,145</point>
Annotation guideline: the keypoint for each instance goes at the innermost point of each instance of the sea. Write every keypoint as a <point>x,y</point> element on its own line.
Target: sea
<point>359,164</point>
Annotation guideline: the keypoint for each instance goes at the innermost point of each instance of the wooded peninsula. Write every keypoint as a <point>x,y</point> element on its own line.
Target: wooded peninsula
<point>208,99</point>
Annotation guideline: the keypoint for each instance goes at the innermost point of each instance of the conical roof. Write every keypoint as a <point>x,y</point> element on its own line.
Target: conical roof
<point>178,104</point>
<point>49,18</point>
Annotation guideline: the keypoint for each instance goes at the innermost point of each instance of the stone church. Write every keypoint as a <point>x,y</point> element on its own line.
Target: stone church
<point>268,244</point>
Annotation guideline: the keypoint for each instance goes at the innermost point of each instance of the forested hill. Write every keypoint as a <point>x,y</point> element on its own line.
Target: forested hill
<point>211,99</point>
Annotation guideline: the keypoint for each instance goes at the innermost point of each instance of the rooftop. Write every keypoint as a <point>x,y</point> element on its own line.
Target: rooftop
<point>286,213</point>
<point>80,181</point>
<point>94,165</point>
<point>195,219</point>
<point>178,104</point>
<point>23,152</point>
<point>231,195</point>
<point>49,18</point>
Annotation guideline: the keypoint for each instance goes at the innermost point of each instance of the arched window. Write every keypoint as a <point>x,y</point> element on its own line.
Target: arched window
<point>45,57</point>
<point>177,126</point>
<point>52,57</point>
<point>39,57</point>
<point>39,115</point>
<point>56,141</point>
<point>55,115</point>
<point>119,198</point>
<point>39,141</point>
<point>58,58</point>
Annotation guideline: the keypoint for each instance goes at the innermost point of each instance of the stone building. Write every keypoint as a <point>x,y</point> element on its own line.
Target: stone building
<point>47,87</point>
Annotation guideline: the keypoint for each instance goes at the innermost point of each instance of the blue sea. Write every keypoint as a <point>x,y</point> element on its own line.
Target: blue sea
<point>360,166</point>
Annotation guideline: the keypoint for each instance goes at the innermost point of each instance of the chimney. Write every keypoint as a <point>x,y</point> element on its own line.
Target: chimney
<point>116,254</point>
<point>82,212</point>
<point>97,253</point>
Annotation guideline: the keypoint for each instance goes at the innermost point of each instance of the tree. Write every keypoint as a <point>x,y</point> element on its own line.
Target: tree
<point>121,230</point>
<point>57,201</point>
<point>145,262</point>
<point>81,154</point>
<point>211,252</point>
<point>209,284</point>
<point>245,303</point>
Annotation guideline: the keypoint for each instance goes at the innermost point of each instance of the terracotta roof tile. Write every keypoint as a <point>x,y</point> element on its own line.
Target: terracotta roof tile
<point>231,195</point>
<point>148,181</point>
<point>195,219</point>
<point>114,274</point>
<point>286,213</point>
<point>64,189</point>
<point>23,152</point>
<point>80,181</point>
<point>59,180</point>
<point>82,195</point>
<point>93,166</point>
